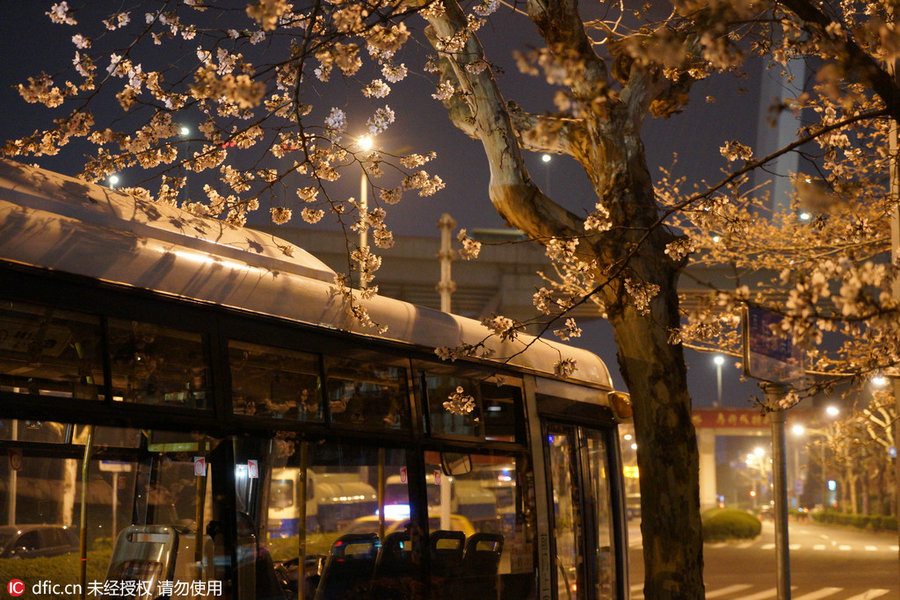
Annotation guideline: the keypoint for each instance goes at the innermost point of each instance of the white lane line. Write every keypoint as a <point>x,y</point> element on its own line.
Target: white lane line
<point>762,595</point>
<point>845,547</point>
<point>794,547</point>
<point>869,594</point>
<point>871,548</point>
<point>636,587</point>
<point>895,548</point>
<point>819,547</point>
<point>738,587</point>
<point>823,593</point>
<point>768,546</point>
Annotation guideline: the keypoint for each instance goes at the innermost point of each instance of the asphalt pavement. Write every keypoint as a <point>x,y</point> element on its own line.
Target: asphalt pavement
<point>827,563</point>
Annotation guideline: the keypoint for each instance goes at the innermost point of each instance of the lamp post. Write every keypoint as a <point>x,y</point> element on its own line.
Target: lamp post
<point>719,360</point>
<point>546,158</point>
<point>365,143</point>
<point>113,181</point>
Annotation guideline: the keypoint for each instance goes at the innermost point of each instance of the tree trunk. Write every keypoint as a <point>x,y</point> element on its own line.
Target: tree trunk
<point>667,453</point>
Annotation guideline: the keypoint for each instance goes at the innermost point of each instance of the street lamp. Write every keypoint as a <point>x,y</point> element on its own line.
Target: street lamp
<point>113,181</point>
<point>365,144</point>
<point>719,360</point>
<point>546,158</point>
<point>754,461</point>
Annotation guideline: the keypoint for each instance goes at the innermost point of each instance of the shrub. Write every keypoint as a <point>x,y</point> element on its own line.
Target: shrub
<point>873,522</point>
<point>62,570</point>
<point>726,524</point>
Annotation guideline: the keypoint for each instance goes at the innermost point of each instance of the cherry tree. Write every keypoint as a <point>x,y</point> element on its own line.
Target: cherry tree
<point>258,75</point>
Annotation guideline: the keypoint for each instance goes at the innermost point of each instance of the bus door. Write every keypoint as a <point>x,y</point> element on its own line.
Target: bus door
<point>582,512</point>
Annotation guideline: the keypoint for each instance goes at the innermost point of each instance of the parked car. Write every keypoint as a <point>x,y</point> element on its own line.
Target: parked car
<point>33,541</point>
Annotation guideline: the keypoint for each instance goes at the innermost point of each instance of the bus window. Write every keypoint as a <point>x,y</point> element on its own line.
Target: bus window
<point>273,382</point>
<point>355,522</point>
<point>566,514</point>
<point>492,506</point>
<point>438,390</point>
<point>495,408</point>
<point>49,352</point>
<point>368,395</point>
<point>152,364</point>
<point>503,413</point>
<point>603,553</point>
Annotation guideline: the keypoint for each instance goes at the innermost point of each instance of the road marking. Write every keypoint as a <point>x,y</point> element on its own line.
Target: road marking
<point>794,547</point>
<point>819,547</point>
<point>845,547</point>
<point>824,592</point>
<point>768,546</point>
<point>895,548</point>
<point>762,595</point>
<point>871,548</point>
<point>728,590</point>
<point>636,587</point>
<point>869,595</point>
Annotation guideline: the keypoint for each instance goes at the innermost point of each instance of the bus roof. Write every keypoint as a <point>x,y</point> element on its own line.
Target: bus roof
<point>51,221</point>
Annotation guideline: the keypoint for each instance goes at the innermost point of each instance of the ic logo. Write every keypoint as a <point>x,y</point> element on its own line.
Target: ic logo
<point>15,587</point>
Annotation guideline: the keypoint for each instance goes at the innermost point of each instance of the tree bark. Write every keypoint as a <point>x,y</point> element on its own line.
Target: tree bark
<point>667,453</point>
<point>606,142</point>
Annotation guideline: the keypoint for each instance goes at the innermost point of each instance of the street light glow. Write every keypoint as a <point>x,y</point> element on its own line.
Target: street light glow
<point>366,143</point>
<point>719,360</point>
<point>879,381</point>
<point>113,180</point>
<point>546,158</point>
<point>805,216</point>
<point>759,451</point>
<point>798,430</point>
<point>832,411</point>
<point>184,131</point>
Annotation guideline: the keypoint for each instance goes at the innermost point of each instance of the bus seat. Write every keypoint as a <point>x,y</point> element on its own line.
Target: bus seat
<point>395,559</point>
<point>351,562</point>
<point>482,554</point>
<point>481,562</point>
<point>446,551</point>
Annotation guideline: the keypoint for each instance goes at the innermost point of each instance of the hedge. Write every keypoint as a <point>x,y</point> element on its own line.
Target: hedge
<point>872,522</point>
<point>727,524</point>
<point>61,570</point>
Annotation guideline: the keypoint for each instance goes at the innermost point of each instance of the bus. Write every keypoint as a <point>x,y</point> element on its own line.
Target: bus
<point>198,403</point>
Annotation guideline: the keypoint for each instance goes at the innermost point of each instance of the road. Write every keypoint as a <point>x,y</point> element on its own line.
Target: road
<point>827,563</point>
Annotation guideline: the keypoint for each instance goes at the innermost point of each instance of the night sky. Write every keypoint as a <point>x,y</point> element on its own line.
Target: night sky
<point>29,43</point>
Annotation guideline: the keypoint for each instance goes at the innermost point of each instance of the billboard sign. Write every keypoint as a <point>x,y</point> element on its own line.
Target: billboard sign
<point>769,353</point>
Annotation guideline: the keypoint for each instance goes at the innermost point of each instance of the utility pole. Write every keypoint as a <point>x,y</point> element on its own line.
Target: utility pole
<point>446,286</point>
<point>894,174</point>
<point>774,394</point>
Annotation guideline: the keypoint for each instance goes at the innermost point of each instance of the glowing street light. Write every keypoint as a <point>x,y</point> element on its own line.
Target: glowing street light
<point>184,131</point>
<point>879,381</point>
<point>546,158</point>
<point>832,411</point>
<point>365,143</point>
<point>719,360</point>
<point>113,181</point>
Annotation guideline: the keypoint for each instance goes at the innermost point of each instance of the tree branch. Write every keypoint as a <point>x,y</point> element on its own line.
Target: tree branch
<point>512,191</point>
<point>857,64</point>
